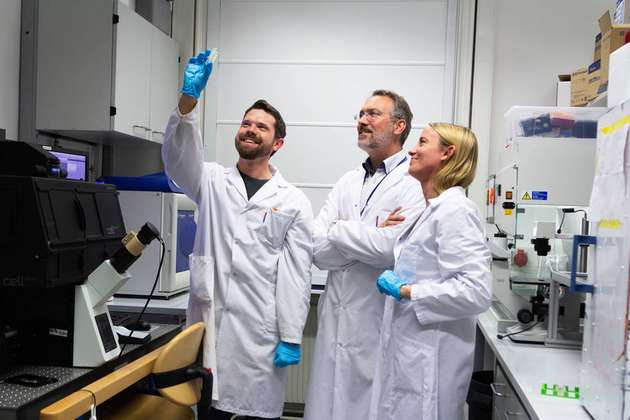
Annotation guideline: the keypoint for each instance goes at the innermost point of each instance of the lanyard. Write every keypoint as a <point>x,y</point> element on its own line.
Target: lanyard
<point>379,184</point>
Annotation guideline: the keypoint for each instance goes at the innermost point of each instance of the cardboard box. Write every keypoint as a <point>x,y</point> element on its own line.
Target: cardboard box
<point>597,53</point>
<point>613,37</point>
<point>585,84</point>
<point>563,93</point>
<point>593,80</point>
<point>579,87</point>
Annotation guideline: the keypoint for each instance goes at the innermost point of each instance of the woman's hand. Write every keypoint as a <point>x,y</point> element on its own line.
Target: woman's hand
<point>390,284</point>
<point>394,218</point>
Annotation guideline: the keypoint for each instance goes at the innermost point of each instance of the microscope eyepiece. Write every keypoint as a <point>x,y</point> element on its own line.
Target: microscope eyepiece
<point>147,233</point>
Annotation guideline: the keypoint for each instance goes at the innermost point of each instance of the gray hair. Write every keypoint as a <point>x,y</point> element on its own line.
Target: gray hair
<point>401,111</point>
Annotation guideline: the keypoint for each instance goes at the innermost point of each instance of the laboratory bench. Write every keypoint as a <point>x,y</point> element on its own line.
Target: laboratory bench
<point>171,310</point>
<point>168,311</point>
<point>20,402</point>
<point>520,370</point>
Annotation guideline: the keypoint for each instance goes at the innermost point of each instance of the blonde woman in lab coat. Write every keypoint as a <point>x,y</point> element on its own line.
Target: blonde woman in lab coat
<point>441,281</point>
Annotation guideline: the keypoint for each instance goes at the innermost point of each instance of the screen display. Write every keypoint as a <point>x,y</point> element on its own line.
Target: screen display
<point>74,164</point>
<point>186,228</point>
<point>105,331</point>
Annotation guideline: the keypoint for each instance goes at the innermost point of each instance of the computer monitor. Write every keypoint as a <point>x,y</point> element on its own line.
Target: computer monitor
<point>73,162</point>
<point>186,229</point>
<point>174,216</point>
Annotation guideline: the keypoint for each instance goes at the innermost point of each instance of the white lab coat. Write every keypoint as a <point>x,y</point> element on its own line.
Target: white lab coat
<point>249,272</point>
<point>425,355</point>
<point>355,251</point>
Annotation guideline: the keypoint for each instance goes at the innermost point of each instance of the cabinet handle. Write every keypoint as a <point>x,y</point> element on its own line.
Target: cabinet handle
<point>508,415</point>
<point>141,126</point>
<point>158,132</point>
<point>495,392</point>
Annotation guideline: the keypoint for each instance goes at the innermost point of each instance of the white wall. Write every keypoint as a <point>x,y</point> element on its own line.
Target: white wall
<point>534,40</point>
<point>9,66</point>
<point>324,60</point>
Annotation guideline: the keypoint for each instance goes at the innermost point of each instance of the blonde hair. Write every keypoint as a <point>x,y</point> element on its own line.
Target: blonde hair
<point>459,169</point>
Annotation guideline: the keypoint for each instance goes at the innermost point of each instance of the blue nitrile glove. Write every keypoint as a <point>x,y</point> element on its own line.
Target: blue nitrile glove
<point>286,354</point>
<point>389,283</point>
<point>196,74</point>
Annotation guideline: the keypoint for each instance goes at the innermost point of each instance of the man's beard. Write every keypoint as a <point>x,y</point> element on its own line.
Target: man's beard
<point>378,140</point>
<point>249,153</point>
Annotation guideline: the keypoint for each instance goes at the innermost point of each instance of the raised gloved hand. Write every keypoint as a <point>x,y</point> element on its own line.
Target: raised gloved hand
<point>286,354</point>
<point>389,283</point>
<point>196,74</point>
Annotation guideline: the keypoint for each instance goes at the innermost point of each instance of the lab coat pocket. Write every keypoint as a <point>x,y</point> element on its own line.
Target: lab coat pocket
<point>407,263</point>
<point>414,380</point>
<point>202,277</point>
<point>275,226</point>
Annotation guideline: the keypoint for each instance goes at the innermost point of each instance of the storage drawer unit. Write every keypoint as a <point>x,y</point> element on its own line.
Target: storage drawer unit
<point>506,405</point>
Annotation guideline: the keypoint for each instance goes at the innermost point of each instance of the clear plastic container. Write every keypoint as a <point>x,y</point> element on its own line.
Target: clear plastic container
<point>552,121</point>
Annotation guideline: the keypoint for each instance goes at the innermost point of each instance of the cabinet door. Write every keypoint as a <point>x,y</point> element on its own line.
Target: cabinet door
<point>133,78</point>
<point>67,70</point>
<point>164,78</point>
<point>506,405</point>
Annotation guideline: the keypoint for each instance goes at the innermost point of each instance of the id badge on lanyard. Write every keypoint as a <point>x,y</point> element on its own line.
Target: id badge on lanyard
<point>379,184</point>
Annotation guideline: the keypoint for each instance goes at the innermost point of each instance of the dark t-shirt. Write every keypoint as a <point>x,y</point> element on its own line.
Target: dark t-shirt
<point>252,185</point>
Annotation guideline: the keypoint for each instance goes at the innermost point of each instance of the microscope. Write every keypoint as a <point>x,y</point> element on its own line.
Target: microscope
<point>63,254</point>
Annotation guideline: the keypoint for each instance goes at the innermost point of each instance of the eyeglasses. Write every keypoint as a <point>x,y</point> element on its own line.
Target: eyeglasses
<point>371,114</point>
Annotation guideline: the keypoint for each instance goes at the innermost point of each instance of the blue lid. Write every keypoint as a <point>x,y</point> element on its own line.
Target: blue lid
<point>151,182</point>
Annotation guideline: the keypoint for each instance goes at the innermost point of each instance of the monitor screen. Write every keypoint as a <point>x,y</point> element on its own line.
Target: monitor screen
<point>186,228</point>
<point>74,164</point>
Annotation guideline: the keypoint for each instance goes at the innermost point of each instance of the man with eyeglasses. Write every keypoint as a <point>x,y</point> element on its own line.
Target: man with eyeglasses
<point>350,245</point>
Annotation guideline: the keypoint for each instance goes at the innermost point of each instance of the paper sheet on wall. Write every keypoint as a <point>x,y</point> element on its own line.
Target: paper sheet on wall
<point>609,186</point>
<point>604,372</point>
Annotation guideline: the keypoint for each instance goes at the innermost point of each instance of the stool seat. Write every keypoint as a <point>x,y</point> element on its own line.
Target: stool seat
<point>143,406</point>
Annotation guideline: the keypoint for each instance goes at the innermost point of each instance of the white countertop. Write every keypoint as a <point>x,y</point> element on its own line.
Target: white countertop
<point>529,366</point>
<point>175,305</point>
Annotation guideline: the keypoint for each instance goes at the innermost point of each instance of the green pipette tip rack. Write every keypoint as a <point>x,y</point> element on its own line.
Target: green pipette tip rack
<point>560,391</point>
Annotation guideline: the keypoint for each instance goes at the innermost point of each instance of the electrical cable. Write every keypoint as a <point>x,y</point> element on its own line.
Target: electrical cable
<point>564,212</point>
<point>157,276</point>
<point>93,408</point>
<point>559,231</point>
<point>502,336</point>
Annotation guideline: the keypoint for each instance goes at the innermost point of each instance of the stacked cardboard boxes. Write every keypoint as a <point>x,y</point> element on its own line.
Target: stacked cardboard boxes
<point>585,83</point>
<point>613,37</point>
<point>588,83</point>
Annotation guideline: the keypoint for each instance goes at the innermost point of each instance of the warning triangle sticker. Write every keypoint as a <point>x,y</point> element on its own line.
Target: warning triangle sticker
<point>526,196</point>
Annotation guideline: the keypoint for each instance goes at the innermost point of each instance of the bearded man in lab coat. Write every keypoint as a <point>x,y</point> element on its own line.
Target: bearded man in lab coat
<point>250,267</point>
<point>349,244</point>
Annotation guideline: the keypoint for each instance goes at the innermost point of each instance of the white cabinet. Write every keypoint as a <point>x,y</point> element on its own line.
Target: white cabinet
<point>146,77</point>
<point>102,73</point>
<point>133,67</point>
<point>506,405</point>
<point>164,82</point>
